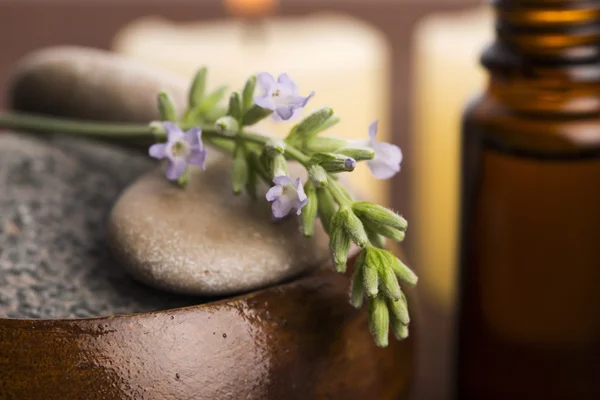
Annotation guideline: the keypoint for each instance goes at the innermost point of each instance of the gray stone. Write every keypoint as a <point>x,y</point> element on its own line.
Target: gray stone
<point>94,84</point>
<point>55,199</point>
<point>204,240</point>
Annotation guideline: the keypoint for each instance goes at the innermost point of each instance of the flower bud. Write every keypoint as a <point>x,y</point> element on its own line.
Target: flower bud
<point>380,261</point>
<point>339,241</point>
<point>309,212</point>
<point>332,162</point>
<point>255,114</point>
<point>278,165</point>
<point>375,239</point>
<point>391,233</point>
<point>313,122</point>
<point>399,310</point>
<point>370,279</point>
<point>248,93</point>
<point>235,106</point>
<point>326,208</point>
<point>359,154</point>
<point>258,166</point>
<point>239,171</point>
<point>400,330</point>
<point>353,226</point>
<point>252,183</point>
<point>227,125</point>
<point>274,147</point>
<point>323,144</point>
<point>184,178</point>
<point>377,215</point>
<point>379,321</point>
<point>317,175</point>
<point>403,272</point>
<point>333,120</point>
<point>388,281</point>
<point>166,107</point>
<point>196,94</point>
<point>358,290</point>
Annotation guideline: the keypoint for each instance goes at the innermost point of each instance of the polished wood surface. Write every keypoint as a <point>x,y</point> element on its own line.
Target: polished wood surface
<point>300,340</point>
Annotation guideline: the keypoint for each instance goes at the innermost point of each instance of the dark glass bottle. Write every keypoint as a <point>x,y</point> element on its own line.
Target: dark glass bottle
<point>529,319</point>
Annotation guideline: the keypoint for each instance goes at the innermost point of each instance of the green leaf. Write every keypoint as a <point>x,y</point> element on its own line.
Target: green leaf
<point>166,107</point>
<point>326,207</point>
<point>255,114</point>
<point>386,231</point>
<point>212,99</point>
<point>239,172</point>
<point>377,215</point>
<point>215,113</point>
<point>248,94</point>
<point>235,106</point>
<point>379,321</point>
<point>309,211</point>
<point>403,272</point>
<point>196,94</point>
<point>339,242</point>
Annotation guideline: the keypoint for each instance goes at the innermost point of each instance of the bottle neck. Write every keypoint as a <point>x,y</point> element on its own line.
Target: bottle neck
<point>548,52</point>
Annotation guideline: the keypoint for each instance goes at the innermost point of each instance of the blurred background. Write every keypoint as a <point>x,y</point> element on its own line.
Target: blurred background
<point>412,64</point>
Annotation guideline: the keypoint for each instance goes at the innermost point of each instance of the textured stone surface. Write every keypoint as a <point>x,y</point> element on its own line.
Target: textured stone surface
<point>55,198</point>
<point>204,240</point>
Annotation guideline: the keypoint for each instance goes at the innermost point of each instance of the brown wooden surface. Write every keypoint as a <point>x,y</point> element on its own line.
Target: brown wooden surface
<point>300,340</point>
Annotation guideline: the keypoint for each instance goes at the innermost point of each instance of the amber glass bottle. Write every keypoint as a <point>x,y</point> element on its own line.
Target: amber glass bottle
<point>529,320</point>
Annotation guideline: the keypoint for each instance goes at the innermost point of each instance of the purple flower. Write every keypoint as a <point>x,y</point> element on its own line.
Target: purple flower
<point>281,96</point>
<point>182,149</point>
<point>286,195</point>
<point>388,157</point>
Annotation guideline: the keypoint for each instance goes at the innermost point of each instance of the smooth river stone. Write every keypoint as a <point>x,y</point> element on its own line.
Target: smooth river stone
<point>91,84</point>
<point>204,240</point>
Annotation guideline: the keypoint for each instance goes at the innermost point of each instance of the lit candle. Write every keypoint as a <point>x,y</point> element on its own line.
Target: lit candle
<point>345,61</point>
<point>447,73</point>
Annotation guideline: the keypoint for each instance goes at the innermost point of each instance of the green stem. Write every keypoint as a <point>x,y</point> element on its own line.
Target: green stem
<point>126,132</point>
<point>96,130</point>
<point>338,192</point>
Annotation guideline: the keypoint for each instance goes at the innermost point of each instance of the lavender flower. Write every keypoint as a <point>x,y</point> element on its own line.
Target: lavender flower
<point>388,157</point>
<point>181,149</point>
<point>281,96</point>
<point>286,195</point>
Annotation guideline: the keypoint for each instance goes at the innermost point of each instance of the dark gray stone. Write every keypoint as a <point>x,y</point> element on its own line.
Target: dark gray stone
<point>55,198</point>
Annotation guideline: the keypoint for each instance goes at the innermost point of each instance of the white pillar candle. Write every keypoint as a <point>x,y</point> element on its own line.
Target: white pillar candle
<point>447,73</point>
<point>344,60</point>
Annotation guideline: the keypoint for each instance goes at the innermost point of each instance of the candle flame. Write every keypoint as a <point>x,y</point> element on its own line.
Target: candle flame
<point>251,8</point>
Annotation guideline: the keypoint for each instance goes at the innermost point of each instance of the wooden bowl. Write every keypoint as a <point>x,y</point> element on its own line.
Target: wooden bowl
<point>299,340</point>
